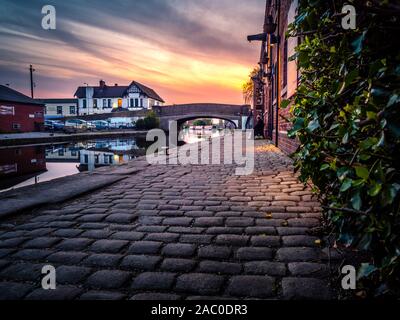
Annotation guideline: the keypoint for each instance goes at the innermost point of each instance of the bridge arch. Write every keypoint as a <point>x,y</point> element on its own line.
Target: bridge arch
<point>184,112</point>
<point>181,121</point>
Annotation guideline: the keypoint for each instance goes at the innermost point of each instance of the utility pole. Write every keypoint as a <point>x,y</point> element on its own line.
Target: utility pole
<point>31,71</point>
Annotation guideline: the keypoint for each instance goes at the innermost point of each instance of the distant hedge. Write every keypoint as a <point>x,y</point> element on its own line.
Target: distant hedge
<point>346,116</point>
<point>151,121</point>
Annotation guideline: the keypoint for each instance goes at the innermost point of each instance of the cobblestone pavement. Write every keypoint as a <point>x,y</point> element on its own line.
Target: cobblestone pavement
<point>174,232</point>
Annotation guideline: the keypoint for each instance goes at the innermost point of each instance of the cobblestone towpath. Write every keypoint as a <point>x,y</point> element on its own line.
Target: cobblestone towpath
<point>174,232</point>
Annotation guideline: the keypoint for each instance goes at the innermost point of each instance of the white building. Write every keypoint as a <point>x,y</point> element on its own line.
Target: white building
<point>105,99</point>
<point>59,108</point>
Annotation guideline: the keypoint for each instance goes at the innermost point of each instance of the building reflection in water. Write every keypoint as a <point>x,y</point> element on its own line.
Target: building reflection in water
<point>29,165</point>
<point>109,152</point>
<point>20,164</point>
<point>24,166</point>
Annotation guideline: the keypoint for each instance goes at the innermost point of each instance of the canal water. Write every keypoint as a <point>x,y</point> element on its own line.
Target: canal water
<point>27,165</point>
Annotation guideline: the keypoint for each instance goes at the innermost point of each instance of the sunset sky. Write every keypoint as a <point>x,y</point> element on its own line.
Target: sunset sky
<point>186,50</point>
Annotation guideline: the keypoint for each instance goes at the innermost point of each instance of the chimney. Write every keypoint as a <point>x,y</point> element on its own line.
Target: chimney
<point>102,84</point>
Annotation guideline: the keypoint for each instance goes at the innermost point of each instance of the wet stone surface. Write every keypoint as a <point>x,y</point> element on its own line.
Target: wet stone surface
<point>174,232</point>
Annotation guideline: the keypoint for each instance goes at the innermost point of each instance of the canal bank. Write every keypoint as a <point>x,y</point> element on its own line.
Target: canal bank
<point>173,232</point>
<point>19,139</point>
<point>29,174</point>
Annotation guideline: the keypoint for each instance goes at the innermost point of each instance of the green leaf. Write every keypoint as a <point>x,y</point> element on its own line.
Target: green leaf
<point>325,166</point>
<point>346,185</point>
<point>365,270</point>
<point>299,123</point>
<point>362,172</point>
<point>356,201</point>
<point>351,77</point>
<point>345,139</point>
<point>358,183</point>
<point>365,241</point>
<point>285,104</point>
<point>393,100</point>
<point>358,43</point>
<point>313,125</point>
<point>375,189</point>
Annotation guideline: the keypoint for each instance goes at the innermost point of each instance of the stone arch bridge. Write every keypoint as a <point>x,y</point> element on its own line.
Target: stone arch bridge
<point>236,114</point>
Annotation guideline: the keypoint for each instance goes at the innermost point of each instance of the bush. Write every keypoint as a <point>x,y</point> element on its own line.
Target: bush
<point>202,123</point>
<point>346,117</point>
<point>151,121</point>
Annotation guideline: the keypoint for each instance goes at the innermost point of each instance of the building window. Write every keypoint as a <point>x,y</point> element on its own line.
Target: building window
<point>84,104</point>
<point>104,103</point>
<point>141,102</point>
<point>38,114</point>
<point>119,103</point>
<point>59,110</point>
<point>72,110</point>
<point>16,126</point>
<point>109,103</point>
<point>136,102</point>
<point>285,64</point>
<point>292,42</point>
<point>95,103</point>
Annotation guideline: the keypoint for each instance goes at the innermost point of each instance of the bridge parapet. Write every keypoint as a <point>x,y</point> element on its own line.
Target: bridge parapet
<point>202,108</point>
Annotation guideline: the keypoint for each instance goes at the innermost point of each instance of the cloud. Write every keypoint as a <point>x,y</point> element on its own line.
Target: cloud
<point>176,46</point>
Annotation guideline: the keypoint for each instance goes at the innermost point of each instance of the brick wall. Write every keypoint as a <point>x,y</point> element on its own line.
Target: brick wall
<point>286,144</point>
<point>26,118</point>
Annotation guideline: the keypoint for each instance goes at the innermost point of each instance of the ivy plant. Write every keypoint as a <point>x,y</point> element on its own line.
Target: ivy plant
<point>346,117</point>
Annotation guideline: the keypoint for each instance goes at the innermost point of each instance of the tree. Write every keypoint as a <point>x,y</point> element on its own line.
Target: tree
<point>202,122</point>
<point>151,121</point>
<point>248,86</point>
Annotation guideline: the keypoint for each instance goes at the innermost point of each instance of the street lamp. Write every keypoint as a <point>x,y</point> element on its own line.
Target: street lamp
<point>270,26</point>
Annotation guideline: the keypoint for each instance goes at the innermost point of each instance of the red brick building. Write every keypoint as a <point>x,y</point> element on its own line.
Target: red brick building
<point>278,77</point>
<point>19,113</point>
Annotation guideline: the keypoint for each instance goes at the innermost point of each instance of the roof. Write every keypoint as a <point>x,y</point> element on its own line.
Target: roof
<point>57,100</point>
<point>10,95</point>
<point>147,91</point>
<point>117,91</point>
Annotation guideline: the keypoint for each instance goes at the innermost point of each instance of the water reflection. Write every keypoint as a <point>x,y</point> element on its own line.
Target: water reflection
<point>25,166</point>
<point>20,164</point>
<point>196,134</point>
